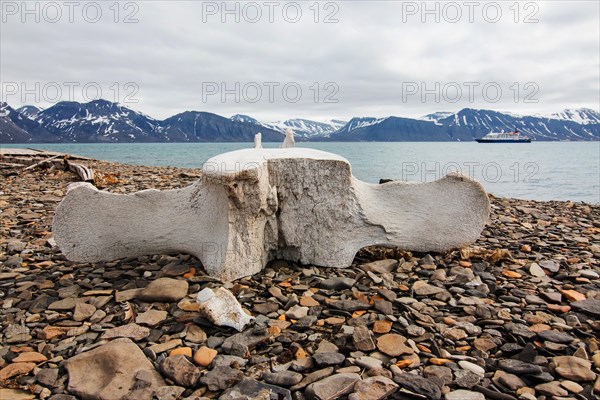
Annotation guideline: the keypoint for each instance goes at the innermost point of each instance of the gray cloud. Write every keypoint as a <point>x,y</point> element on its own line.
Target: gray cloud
<point>369,57</point>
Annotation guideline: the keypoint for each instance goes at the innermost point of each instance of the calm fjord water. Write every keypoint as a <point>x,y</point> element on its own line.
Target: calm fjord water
<point>538,171</point>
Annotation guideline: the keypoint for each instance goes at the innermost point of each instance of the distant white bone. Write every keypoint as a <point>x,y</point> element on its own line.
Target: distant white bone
<point>289,139</point>
<point>255,205</point>
<point>258,141</point>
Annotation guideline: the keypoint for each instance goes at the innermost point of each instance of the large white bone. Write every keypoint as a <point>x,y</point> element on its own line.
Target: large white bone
<point>255,205</point>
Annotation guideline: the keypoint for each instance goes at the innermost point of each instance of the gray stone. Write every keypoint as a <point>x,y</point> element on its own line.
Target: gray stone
<point>250,389</point>
<point>332,387</point>
<point>551,389</point>
<point>419,385</point>
<point>131,331</point>
<point>519,367</point>
<point>363,339</point>
<point>164,290</point>
<point>444,374</point>
<point>169,392</point>
<point>368,362</point>
<point>556,336</point>
<point>180,370</point>
<point>587,306</point>
<point>47,376</point>
<point>374,388</point>
<point>509,381</point>
<point>380,266</point>
<point>240,343</point>
<point>116,370</point>
<point>13,262</point>
<point>265,308</point>
<point>283,378</point>
<point>195,334</point>
<point>297,312</point>
<point>464,395</point>
<point>151,317</point>
<point>422,288</point>
<point>221,378</point>
<point>536,270</point>
<point>338,283</point>
<point>228,361</point>
<point>327,359</point>
<point>573,368</point>
<point>550,265</point>
<point>350,305</point>
<point>83,311</point>
<point>66,304</point>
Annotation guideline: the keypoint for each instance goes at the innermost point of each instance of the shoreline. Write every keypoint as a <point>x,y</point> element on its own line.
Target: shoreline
<point>10,152</point>
<point>527,293</point>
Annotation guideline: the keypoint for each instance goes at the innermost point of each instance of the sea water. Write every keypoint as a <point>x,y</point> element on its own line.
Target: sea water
<point>537,171</point>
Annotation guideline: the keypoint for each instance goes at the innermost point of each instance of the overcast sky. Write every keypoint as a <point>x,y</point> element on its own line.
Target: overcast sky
<point>322,60</point>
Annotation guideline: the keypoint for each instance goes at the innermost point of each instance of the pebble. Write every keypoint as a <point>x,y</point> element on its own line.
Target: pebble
<point>474,368</point>
<point>151,317</point>
<point>332,387</point>
<point>571,386</point>
<point>83,311</point>
<point>536,270</point>
<point>419,385</point>
<point>338,283</point>
<point>588,306</point>
<point>297,312</point>
<point>393,345</point>
<point>180,371</point>
<point>373,388</point>
<point>422,288</point>
<point>464,395</point>
<point>551,389</point>
<point>363,339</point>
<point>247,388</point>
<point>204,356</point>
<point>16,369</point>
<point>556,336</point>
<point>283,378</point>
<point>132,331</point>
<point>573,368</point>
<point>186,351</point>
<point>327,359</point>
<point>30,357</point>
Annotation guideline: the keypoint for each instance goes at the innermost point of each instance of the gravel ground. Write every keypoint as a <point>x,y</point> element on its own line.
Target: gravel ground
<point>515,315</point>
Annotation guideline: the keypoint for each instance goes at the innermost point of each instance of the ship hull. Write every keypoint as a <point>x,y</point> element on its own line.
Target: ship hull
<point>503,141</point>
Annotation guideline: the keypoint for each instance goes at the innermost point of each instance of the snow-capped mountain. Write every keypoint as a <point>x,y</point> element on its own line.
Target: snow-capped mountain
<point>304,129</point>
<point>244,118</point>
<point>18,128</point>
<point>359,123</point>
<point>465,125</point>
<point>28,111</point>
<point>97,121</point>
<point>195,126</point>
<point>104,121</point>
<point>468,124</point>
<point>308,129</point>
<point>583,116</point>
<point>390,129</point>
<point>436,116</point>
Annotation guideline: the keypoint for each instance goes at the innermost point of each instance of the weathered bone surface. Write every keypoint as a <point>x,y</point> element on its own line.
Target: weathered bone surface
<point>222,308</point>
<point>255,205</point>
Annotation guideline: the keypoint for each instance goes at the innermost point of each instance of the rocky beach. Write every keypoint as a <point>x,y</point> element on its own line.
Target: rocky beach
<point>516,315</point>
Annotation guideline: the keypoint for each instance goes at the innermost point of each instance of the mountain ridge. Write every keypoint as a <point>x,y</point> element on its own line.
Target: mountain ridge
<point>102,121</point>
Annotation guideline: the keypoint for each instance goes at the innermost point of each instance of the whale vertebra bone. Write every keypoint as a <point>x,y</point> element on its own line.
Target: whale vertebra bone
<point>255,205</point>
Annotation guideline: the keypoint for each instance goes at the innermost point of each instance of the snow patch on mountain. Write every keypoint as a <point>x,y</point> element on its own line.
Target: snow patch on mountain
<point>584,116</point>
